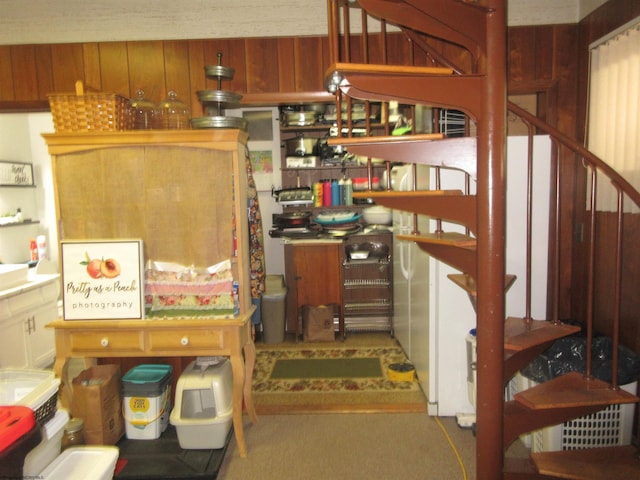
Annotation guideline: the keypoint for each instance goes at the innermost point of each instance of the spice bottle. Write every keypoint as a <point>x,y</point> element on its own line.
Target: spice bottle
<point>73,433</point>
<point>34,250</point>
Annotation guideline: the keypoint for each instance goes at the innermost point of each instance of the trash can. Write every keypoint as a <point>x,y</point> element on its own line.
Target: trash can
<point>273,309</point>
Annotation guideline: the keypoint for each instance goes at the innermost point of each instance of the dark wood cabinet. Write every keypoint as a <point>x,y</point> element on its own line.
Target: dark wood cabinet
<point>314,277</point>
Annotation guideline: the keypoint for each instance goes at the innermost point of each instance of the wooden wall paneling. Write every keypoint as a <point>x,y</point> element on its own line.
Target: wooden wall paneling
<point>91,61</point>
<point>326,60</point>
<point>196,76</point>
<point>44,68</point>
<point>237,59</point>
<point>23,65</point>
<point>286,60</point>
<point>6,75</point>
<point>543,54</point>
<point>146,69</point>
<point>521,59</point>
<point>68,66</point>
<point>114,69</point>
<point>309,70</point>
<point>261,62</point>
<point>565,67</point>
<point>176,69</point>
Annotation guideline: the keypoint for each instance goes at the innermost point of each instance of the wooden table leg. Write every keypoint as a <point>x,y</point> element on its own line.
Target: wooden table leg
<point>61,370</point>
<point>250,361</point>
<point>238,369</point>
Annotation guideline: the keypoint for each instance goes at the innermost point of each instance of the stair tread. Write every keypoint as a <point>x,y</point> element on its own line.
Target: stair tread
<point>613,463</point>
<point>444,238</point>
<point>458,153</point>
<point>468,283</point>
<point>384,69</point>
<point>386,139</point>
<point>520,335</point>
<point>572,390</point>
<point>377,195</point>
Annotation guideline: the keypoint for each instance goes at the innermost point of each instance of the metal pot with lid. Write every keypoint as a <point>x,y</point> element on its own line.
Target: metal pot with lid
<point>301,146</point>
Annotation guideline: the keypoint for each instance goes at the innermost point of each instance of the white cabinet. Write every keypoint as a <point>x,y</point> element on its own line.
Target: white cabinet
<point>24,313</point>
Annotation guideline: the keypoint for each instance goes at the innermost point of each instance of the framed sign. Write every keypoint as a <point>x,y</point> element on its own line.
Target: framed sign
<point>16,174</point>
<point>102,279</point>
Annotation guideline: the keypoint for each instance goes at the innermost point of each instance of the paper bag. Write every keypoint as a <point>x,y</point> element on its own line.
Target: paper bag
<point>97,399</point>
<point>317,323</point>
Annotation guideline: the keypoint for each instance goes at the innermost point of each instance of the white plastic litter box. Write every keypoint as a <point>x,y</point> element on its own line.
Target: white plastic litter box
<point>82,463</point>
<point>203,407</point>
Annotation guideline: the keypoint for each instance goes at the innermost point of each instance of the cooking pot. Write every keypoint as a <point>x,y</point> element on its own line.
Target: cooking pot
<point>291,220</point>
<point>300,119</point>
<point>301,146</point>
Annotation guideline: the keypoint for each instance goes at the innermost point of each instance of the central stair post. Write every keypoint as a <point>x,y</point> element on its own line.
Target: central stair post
<point>491,249</point>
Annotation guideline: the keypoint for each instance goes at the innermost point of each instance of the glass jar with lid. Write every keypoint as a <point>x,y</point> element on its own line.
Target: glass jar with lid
<point>142,111</point>
<point>172,113</point>
<point>73,433</point>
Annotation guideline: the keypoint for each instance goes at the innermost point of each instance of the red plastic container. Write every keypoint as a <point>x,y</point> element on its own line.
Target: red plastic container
<point>19,434</point>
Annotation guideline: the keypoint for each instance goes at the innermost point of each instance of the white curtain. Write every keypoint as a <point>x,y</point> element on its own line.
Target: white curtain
<point>614,107</point>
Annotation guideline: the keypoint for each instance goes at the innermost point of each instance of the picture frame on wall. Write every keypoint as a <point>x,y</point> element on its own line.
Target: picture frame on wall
<point>102,279</point>
<point>16,174</point>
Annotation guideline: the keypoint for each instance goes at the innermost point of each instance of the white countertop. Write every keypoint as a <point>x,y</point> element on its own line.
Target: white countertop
<point>34,281</point>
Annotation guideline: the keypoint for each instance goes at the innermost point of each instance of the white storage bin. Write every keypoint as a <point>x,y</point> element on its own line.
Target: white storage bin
<point>82,463</point>
<point>203,408</point>
<point>36,389</point>
<point>49,448</point>
<point>608,427</point>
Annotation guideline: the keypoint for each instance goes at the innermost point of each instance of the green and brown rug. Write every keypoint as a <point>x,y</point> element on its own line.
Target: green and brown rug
<point>336,378</point>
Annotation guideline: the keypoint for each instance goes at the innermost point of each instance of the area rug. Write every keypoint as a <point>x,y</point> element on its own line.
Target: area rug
<point>332,379</point>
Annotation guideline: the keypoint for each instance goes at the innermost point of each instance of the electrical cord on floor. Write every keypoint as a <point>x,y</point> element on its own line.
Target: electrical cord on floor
<point>453,447</point>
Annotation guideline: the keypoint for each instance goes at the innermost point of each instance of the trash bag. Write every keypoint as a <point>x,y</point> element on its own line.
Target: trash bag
<point>569,354</point>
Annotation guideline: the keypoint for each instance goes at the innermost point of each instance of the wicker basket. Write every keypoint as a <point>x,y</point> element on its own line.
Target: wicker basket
<point>89,112</point>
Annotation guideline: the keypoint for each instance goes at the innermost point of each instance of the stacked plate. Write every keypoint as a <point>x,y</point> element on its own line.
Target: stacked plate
<point>339,222</point>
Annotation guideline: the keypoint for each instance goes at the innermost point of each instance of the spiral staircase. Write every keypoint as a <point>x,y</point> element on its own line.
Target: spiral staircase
<point>504,346</point>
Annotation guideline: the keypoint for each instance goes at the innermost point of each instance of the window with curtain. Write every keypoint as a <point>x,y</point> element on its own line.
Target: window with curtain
<point>614,105</point>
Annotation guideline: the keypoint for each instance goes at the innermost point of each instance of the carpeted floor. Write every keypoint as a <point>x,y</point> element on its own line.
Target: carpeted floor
<point>316,392</point>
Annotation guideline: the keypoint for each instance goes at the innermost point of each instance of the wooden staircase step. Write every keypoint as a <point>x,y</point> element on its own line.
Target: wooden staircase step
<point>423,149</point>
<point>468,283</point>
<point>520,334</point>
<point>455,249</point>
<point>451,205</point>
<point>612,463</point>
<point>440,18</point>
<point>407,84</point>
<point>572,390</point>
<point>453,239</point>
<point>384,69</point>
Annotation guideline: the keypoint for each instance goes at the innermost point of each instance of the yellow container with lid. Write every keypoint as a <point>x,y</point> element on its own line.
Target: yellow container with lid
<point>401,372</point>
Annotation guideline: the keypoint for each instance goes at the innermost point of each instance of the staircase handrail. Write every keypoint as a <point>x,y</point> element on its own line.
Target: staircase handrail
<point>618,181</point>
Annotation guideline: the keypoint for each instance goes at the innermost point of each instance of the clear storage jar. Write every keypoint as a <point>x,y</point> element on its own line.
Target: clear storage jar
<point>73,433</point>
<point>142,112</point>
<point>172,114</point>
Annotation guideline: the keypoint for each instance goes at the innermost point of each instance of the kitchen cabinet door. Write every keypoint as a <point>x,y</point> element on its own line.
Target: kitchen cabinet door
<point>13,344</point>
<point>314,276</point>
<point>40,340</point>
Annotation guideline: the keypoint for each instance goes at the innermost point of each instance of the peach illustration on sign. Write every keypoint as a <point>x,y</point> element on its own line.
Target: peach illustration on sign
<point>101,268</point>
